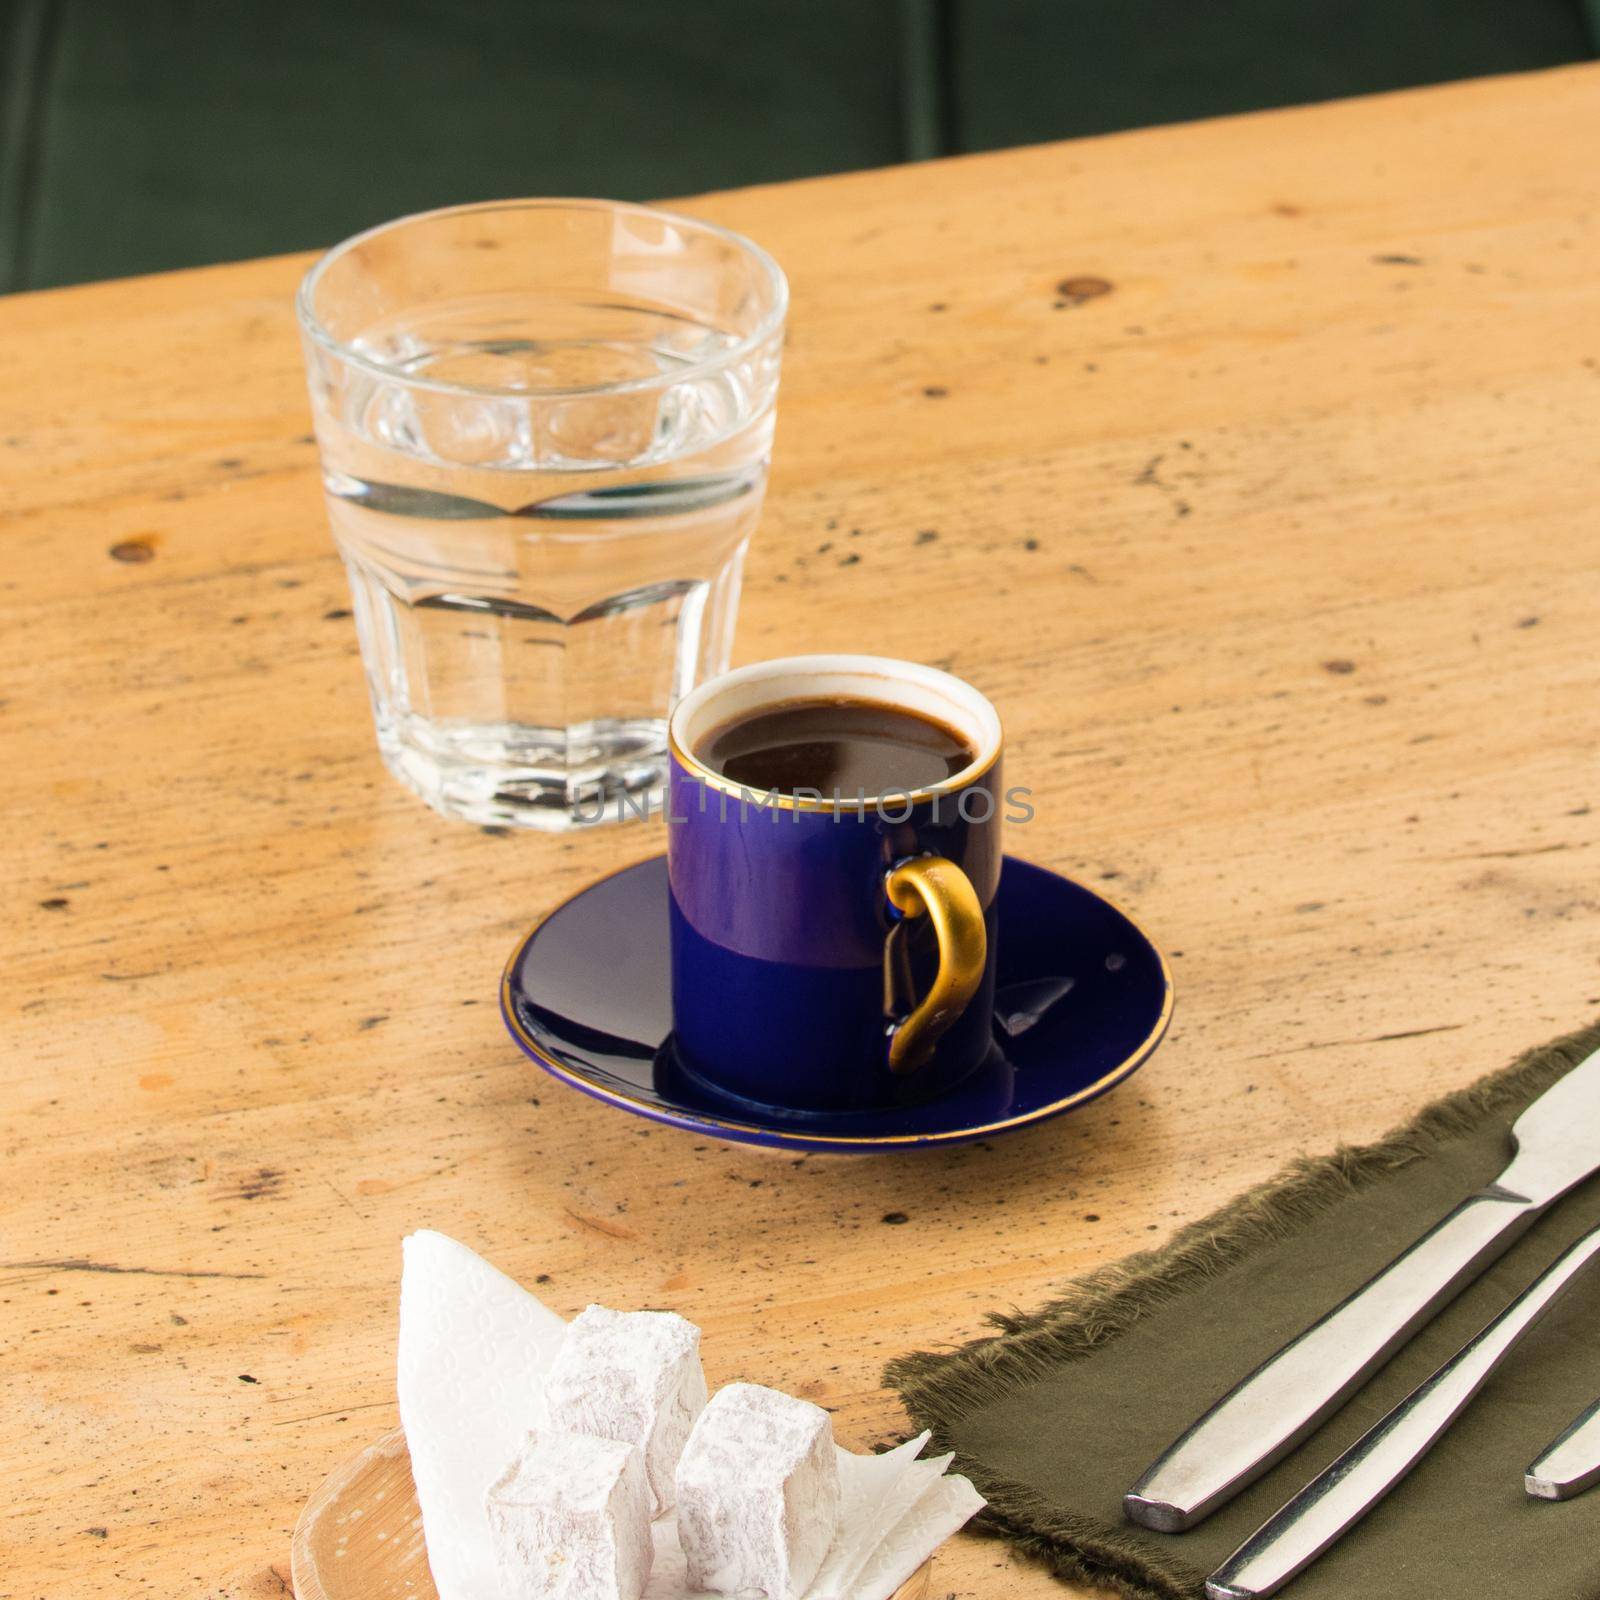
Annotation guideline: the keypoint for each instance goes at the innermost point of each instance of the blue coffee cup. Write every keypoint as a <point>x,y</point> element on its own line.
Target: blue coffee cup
<point>833,952</point>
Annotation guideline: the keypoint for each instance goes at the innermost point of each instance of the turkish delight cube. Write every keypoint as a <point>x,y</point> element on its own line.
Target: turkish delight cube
<point>632,1376</point>
<point>758,1493</point>
<point>570,1520</point>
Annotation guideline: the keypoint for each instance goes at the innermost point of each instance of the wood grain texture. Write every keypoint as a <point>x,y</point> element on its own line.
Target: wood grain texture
<point>1279,556</point>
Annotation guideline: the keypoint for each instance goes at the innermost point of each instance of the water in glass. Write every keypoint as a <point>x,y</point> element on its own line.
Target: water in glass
<point>543,492</point>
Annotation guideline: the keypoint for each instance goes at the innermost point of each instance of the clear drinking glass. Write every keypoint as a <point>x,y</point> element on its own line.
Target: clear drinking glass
<point>544,429</point>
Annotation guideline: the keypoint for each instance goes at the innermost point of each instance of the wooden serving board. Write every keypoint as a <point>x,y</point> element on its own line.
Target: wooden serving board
<point>359,1536</point>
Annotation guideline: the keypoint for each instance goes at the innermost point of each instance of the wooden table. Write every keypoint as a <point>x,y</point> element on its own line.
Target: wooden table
<point>1249,466</point>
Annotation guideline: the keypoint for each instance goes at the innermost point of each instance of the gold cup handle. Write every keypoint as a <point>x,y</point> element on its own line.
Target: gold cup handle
<point>941,889</point>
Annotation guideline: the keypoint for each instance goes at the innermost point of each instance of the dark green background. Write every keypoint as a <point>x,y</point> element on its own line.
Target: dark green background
<point>138,135</point>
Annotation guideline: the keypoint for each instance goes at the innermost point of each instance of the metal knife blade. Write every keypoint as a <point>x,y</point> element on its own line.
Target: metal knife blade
<point>1557,1145</point>
<point>1570,1463</point>
<point>1332,1503</point>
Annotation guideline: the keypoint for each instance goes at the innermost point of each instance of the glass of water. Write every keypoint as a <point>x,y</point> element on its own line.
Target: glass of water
<point>544,429</point>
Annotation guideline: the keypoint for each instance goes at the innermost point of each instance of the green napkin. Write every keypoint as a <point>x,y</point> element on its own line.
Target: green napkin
<point>1056,1417</point>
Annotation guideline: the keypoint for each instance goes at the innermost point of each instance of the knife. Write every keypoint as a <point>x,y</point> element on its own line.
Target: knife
<point>1569,1464</point>
<point>1556,1144</point>
<point>1294,1536</point>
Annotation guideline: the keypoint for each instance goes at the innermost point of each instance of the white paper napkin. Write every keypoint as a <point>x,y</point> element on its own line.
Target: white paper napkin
<point>472,1347</point>
<point>473,1350</point>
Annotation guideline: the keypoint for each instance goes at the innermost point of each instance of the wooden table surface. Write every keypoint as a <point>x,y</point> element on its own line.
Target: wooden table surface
<point>1249,466</point>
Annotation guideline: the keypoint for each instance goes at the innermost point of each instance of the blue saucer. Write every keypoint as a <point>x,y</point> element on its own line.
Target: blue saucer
<point>1082,1000</point>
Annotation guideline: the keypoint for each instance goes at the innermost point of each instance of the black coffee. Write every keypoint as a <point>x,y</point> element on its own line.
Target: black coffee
<point>849,747</point>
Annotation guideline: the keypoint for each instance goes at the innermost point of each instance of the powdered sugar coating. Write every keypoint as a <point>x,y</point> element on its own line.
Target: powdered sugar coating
<point>570,1520</point>
<point>632,1376</point>
<point>758,1493</point>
